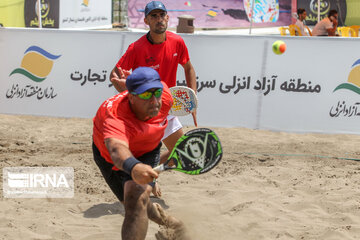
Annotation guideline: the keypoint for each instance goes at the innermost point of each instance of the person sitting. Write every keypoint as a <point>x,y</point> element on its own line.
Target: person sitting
<point>327,26</point>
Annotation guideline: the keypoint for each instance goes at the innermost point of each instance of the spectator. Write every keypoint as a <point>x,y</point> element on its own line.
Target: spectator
<point>327,26</point>
<point>300,22</point>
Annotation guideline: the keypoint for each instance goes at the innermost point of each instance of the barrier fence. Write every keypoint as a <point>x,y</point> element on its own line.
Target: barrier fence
<point>313,87</point>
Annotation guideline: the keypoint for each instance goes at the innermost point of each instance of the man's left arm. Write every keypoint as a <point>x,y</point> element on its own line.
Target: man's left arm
<point>190,77</point>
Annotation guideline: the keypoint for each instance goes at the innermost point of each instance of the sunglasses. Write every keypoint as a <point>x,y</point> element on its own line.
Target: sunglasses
<point>148,94</point>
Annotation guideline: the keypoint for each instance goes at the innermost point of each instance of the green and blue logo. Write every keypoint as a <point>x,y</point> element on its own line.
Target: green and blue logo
<point>36,64</point>
<point>353,83</point>
<point>85,3</point>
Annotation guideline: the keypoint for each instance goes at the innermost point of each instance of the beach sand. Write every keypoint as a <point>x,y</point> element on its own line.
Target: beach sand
<point>269,185</point>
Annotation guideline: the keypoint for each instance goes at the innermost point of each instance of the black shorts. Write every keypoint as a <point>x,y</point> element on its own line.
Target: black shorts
<point>117,179</point>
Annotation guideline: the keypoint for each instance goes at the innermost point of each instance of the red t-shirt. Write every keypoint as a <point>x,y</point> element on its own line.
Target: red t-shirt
<point>163,57</point>
<point>115,119</point>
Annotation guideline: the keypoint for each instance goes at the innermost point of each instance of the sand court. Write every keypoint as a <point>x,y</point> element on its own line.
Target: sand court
<point>269,185</point>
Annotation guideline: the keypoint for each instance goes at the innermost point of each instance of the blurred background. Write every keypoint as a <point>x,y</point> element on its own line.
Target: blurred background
<point>208,14</point>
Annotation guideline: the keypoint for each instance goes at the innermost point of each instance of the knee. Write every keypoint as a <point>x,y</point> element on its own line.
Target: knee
<point>171,140</point>
<point>136,198</point>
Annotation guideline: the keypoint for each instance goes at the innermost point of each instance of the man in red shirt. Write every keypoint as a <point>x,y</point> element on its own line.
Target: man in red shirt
<point>127,133</point>
<point>163,51</point>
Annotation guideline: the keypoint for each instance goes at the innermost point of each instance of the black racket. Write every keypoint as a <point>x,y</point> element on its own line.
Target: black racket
<point>197,152</point>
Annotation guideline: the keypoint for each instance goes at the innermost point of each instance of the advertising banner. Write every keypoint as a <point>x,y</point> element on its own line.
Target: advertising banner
<point>55,72</point>
<point>12,13</point>
<point>218,13</point>
<point>241,82</point>
<point>85,14</point>
<point>311,7</point>
<point>244,83</point>
<point>49,13</point>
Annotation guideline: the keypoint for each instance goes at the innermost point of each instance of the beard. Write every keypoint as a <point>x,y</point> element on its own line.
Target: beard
<point>160,28</point>
<point>154,110</point>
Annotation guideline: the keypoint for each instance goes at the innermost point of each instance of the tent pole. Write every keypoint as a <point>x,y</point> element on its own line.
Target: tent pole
<point>252,15</point>
<point>39,13</point>
<point>318,10</point>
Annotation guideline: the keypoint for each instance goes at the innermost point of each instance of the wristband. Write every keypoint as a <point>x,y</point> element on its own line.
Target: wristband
<point>129,164</point>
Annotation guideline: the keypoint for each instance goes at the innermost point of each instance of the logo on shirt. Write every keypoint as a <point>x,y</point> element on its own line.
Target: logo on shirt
<point>175,54</point>
<point>150,60</point>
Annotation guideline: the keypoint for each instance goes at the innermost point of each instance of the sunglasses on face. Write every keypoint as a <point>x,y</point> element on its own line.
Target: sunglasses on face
<point>148,94</point>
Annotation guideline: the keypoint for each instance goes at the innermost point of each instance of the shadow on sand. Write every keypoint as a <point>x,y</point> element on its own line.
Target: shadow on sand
<point>104,209</point>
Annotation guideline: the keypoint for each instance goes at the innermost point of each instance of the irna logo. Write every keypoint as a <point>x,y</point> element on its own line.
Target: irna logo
<point>34,180</point>
<point>38,182</point>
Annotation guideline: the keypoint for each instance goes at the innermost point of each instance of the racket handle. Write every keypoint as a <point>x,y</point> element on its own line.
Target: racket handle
<point>159,168</point>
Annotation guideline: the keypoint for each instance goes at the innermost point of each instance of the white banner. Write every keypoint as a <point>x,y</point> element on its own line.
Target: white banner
<point>85,14</point>
<point>241,82</point>
<point>55,72</point>
<point>309,88</point>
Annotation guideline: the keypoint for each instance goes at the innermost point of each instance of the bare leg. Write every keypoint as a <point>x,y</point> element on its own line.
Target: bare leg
<point>139,209</point>
<point>170,143</point>
<point>171,140</point>
<point>157,214</point>
<point>173,226</point>
<point>156,191</point>
<point>136,214</point>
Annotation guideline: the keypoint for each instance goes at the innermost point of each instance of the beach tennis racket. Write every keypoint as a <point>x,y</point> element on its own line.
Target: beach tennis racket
<point>185,101</point>
<point>197,152</point>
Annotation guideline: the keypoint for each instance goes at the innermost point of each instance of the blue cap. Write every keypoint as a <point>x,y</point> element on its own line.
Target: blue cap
<point>154,5</point>
<point>143,79</point>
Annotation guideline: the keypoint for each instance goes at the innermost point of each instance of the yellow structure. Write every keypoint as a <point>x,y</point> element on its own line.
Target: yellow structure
<point>347,32</point>
<point>293,30</point>
<point>283,30</point>
<point>309,31</point>
<point>356,29</point>
<point>12,13</point>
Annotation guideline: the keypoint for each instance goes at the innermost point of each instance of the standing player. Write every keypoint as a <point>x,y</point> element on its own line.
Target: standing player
<point>163,51</point>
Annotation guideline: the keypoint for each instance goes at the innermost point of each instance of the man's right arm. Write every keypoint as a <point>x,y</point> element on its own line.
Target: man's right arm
<point>119,152</point>
<point>118,79</point>
<point>332,31</point>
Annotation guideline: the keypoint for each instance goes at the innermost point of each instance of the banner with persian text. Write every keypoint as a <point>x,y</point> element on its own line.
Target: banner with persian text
<point>241,82</point>
<point>85,14</point>
<point>218,13</point>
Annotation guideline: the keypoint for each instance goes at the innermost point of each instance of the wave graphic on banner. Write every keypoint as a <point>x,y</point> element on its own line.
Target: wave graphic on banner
<point>36,64</point>
<point>85,3</point>
<point>353,83</point>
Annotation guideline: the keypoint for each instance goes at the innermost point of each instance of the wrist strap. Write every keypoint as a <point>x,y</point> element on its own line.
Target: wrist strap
<point>129,164</point>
